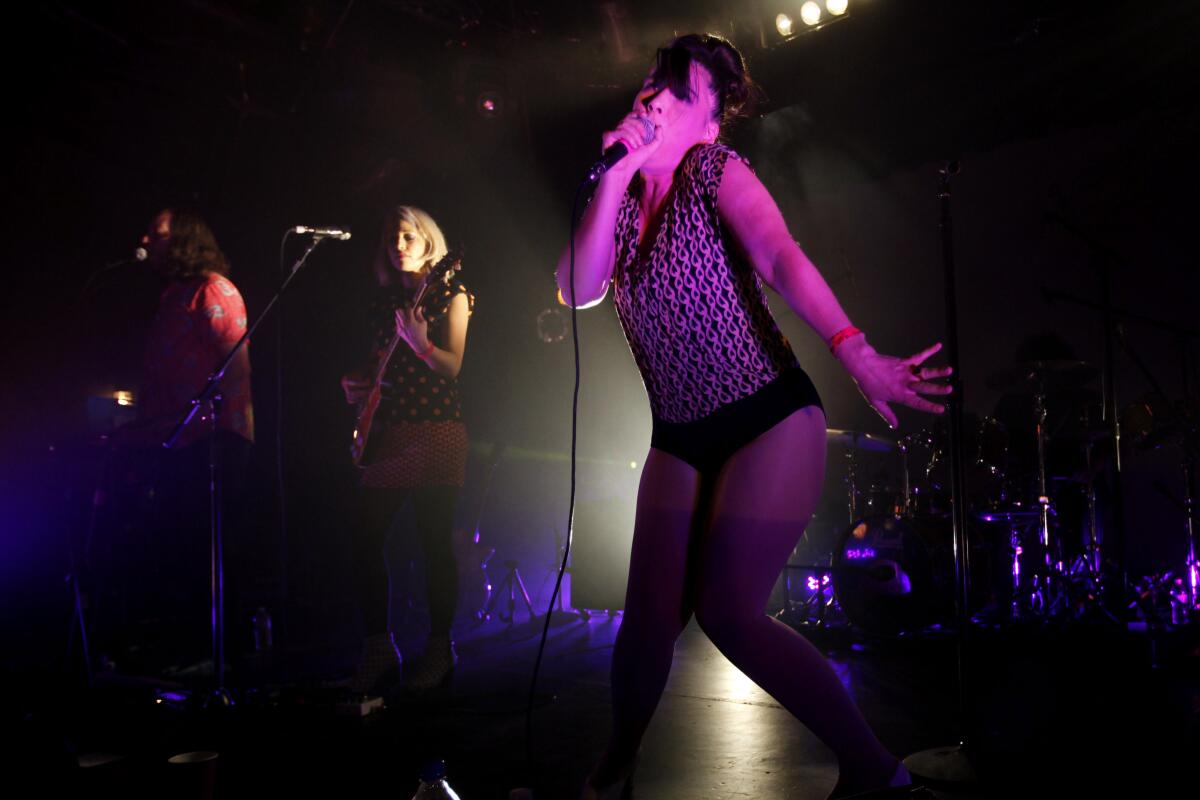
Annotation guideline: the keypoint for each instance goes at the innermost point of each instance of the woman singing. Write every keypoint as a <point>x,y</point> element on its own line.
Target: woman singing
<point>419,442</point>
<point>687,236</point>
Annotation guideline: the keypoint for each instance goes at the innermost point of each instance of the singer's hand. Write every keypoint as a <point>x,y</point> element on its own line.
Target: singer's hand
<point>631,132</point>
<point>885,379</point>
<point>412,328</point>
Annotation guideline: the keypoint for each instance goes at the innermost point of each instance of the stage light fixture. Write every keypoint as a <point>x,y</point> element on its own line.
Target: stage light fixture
<point>489,104</point>
<point>810,12</point>
<point>837,7</point>
<point>783,24</point>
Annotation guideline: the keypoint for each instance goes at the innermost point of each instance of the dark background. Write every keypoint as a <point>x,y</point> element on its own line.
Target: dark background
<point>1073,122</point>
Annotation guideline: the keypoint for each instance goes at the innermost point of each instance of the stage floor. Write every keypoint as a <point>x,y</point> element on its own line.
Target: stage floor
<point>1054,713</point>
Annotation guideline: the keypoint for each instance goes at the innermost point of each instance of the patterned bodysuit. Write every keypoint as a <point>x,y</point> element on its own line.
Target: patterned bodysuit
<point>717,369</point>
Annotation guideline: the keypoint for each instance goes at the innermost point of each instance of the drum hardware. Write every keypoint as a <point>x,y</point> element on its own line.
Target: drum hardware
<point>851,485</point>
<point>1042,377</point>
<point>1161,598</point>
<point>1042,585</point>
<point>1113,320</point>
<point>910,494</point>
<point>472,553</point>
<point>1183,590</point>
<point>1155,425</point>
<point>1088,564</point>
<point>560,608</point>
<point>1050,562</point>
<point>1189,511</point>
<point>894,575</point>
<point>820,606</point>
<point>854,442</point>
<point>511,588</point>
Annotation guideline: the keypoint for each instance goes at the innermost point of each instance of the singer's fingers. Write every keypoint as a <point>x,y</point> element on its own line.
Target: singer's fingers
<point>630,135</point>
<point>636,131</point>
<point>920,357</point>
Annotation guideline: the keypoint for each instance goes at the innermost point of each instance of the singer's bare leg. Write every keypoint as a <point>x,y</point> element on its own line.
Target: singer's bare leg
<point>763,498</point>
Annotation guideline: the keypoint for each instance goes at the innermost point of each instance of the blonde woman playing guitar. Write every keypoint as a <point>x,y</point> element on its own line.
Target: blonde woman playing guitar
<point>410,441</point>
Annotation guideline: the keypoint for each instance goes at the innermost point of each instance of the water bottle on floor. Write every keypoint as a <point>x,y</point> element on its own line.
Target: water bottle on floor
<point>433,783</point>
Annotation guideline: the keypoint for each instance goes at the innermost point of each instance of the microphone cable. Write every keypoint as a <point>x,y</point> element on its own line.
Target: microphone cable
<point>571,503</point>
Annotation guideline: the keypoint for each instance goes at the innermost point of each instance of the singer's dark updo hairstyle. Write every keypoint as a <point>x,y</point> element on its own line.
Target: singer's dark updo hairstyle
<point>735,91</point>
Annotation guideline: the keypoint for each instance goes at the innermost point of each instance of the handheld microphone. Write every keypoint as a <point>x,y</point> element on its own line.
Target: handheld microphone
<point>618,151</point>
<point>140,254</point>
<point>331,233</point>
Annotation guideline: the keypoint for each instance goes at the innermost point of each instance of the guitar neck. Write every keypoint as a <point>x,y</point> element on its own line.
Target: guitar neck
<point>421,293</point>
<point>386,359</point>
<point>391,348</point>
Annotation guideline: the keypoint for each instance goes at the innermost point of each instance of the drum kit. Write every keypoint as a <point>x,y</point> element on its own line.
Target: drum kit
<point>1034,475</point>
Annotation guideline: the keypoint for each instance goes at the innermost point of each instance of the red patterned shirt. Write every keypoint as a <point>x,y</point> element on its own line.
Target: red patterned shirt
<point>197,324</point>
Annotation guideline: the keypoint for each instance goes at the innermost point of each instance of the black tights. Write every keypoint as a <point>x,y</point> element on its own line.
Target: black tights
<point>433,508</point>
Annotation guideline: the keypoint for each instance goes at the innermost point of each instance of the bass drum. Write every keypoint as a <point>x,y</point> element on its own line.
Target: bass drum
<point>895,574</point>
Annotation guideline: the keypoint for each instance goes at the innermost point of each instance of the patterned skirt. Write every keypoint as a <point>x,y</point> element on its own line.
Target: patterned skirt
<point>411,455</point>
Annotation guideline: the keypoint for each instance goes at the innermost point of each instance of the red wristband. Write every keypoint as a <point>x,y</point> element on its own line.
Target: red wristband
<point>845,333</point>
<point>424,354</point>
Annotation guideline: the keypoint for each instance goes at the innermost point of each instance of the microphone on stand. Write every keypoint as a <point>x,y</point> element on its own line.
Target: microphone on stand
<point>331,233</point>
<point>618,151</point>
<point>139,254</point>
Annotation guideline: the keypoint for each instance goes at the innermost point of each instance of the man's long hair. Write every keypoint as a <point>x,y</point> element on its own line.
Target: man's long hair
<point>193,249</point>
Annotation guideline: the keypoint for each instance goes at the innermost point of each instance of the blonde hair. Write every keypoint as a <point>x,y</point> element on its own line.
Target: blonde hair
<point>435,240</point>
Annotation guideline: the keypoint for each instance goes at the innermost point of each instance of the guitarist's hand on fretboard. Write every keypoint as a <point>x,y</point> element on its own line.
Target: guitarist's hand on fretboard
<point>412,327</point>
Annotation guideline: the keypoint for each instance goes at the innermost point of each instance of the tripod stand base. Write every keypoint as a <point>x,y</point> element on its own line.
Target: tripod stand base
<point>948,767</point>
<point>218,698</point>
<point>510,589</point>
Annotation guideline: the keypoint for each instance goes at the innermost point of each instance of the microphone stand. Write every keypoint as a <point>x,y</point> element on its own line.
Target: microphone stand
<point>209,398</point>
<point>951,766</point>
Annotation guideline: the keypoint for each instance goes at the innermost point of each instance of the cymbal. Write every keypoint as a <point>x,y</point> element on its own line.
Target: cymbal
<point>1010,514</point>
<point>859,441</point>
<point>1046,376</point>
<point>1152,425</point>
<point>1083,434</point>
<point>1174,433</point>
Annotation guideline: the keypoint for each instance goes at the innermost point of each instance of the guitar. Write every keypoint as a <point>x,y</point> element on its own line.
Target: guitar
<point>442,271</point>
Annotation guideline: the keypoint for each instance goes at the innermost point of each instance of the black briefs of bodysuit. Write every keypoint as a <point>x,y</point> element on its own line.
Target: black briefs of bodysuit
<point>708,442</point>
